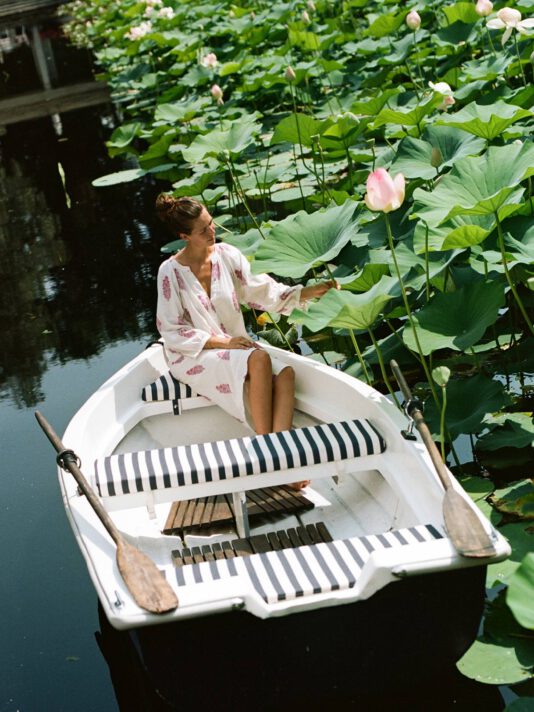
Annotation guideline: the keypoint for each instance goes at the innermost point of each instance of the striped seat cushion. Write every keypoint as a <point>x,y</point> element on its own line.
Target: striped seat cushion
<point>172,467</point>
<point>166,388</point>
<point>319,568</point>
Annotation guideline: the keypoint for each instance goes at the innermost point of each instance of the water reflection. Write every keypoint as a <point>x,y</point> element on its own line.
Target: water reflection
<point>77,264</point>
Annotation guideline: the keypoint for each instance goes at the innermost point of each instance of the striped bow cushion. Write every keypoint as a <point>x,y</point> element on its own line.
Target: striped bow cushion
<point>166,388</point>
<point>319,568</point>
<point>167,468</point>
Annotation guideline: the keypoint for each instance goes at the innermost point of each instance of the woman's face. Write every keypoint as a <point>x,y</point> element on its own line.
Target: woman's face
<point>203,231</point>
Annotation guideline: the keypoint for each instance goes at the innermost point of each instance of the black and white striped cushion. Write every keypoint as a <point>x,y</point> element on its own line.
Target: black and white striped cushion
<point>306,570</point>
<point>166,388</point>
<point>239,457</point>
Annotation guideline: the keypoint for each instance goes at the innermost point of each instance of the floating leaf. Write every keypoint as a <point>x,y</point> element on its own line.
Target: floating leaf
<point>510,430</point>
<point>456,320</point>
<point>486,121</point>
<point>296,129</point>
<point>410,116</point>
<point>468,402</point>
<point>479,185</point>
<point>416,158</point>
<point>518,501</point>
<point>233,138</point>
<point>366,278</point>
<point>346,310</point>
<point>120,177</point>
<point>520,594</point>
<point>303,241</point>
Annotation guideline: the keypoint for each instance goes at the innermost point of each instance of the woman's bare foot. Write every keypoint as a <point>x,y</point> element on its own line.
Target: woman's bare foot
<point>297,486</point>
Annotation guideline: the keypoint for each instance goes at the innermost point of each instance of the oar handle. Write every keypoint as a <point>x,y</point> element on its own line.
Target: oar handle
<point>70,463</point>
<point>414,412</point>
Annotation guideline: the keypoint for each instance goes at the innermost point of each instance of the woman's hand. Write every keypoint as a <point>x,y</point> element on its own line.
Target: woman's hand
<point>317,290</point>
<point>230,342</point>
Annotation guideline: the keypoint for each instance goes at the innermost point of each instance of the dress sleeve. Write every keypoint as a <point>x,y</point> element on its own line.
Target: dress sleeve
<point>260,291</point>
<point>173,321</point>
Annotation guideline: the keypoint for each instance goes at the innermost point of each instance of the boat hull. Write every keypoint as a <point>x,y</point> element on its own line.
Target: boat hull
<point>406,634</point>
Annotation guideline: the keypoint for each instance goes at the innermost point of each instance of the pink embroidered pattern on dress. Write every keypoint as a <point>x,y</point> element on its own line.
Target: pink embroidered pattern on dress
<point>255,305</point>
<point>215,271</point>
<point>223,355</point>
<point>178,360</point>
<point>235,301</point>
<point>224,388</point>
<point>179,279</point>
<point>166,287</point>
<point>158,324</point>
<point>287,293</point>
<point>186,333</point>
<point>239,274</point>
<point>195,370</point>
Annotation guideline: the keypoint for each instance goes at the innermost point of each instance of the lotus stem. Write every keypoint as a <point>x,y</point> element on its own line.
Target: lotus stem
<point>491,42</point>
<point>519,60</point>
<point>360,356</point>
<point>509,277</point>
<point>244,200</point>
<point>427,265</point>
<point>408,310</point>
<point>442,421</point>
<point>383,368</point>
<point>284,337</point>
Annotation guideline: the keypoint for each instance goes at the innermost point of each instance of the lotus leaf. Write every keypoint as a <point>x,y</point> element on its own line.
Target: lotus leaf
<point>460,12</point>
<point>408,116</point>
<point>346,310</point>
<point>518,501</point>
<point>456,320</point>
<point>124,135</point>
<point>468,402</point>
<point>372,106</point>
<point>520,593</point>
<point>119,177</point>
<point>504,655</point>
<point>176,112</point>
<point>303,241</point>
<point>248,242</point>
<point>233,138</point>
<point>486,121</point>
<point>386,23</point>
<point>296,129</point>
<point>366,278</point>
<point>479,185</point>
<point>439,147</point>
<point>509,430</point>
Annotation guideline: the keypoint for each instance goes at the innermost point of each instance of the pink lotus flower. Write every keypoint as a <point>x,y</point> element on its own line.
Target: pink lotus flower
<point>290,74</point>
<point>136,33</point>
<point>484,8</point>
<point>443,88</point>
<point>384,193</point>
<point>217,93</point>
<point>413,20</point>
<point>166,13</point>
<point>509,20</point>
<point>209,60</point>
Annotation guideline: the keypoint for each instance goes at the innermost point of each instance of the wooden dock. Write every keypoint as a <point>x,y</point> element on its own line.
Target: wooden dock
<point>26,11</point>
<point>23,107</point>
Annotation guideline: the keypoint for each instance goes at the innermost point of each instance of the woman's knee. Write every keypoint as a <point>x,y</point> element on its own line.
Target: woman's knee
<point>286,378</point>
<point>259,364</point>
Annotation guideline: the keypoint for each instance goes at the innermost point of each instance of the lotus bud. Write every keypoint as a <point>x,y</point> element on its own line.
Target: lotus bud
<point>384,193</point>
<point>311,6</point>
<point>305,18</point>
<point>413,20</point>
<point>290,74</point>
<point>484,8</point>
<point>217,93</point>
<point>436,157</point>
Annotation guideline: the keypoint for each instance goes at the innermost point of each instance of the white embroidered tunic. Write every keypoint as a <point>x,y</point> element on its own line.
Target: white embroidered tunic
<point>187,317</point>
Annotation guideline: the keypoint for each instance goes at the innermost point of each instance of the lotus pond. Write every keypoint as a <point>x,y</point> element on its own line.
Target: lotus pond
<point>389,147</point>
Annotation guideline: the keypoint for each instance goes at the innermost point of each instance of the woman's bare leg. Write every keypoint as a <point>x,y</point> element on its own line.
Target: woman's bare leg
<point>284,406</point>
<point>283,399</point>
<point>259,384</point>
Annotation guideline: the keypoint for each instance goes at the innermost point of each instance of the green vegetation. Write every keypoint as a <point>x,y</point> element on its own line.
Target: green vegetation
<point>280,116</point>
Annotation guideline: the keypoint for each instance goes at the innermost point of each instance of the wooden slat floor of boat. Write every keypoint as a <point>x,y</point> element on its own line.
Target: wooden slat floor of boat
<point>257,544</point>
<point>203,513</point>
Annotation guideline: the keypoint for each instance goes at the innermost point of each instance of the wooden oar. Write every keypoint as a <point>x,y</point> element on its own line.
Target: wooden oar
<point>463,525</point>
<point>145,582</point>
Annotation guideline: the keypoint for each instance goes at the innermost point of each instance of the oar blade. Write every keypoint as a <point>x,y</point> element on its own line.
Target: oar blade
<point>145,582</point>
<point>464,528</point>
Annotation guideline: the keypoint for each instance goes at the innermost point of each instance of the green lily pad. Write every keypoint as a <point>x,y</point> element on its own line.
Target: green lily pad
<point>410,116</point>
<point>518,502</point>
<point>504,654</point>
<point>509,430</point>
<point>233,138</point>
<point>296,129</point>
<point>468,402</point>
<point>459,232</point>
<point>368,276</point>
<point>520,594</point>
<point>486,121</point>
<point>456,320</point>
<point>304,241</point>
<point>520,535</point>
<point>386,24</point>
<point>124,135</point>
<point>479,185</point>
<point>248,242</point>
<point>126,176</point>
<point>180,111</point>
<point>439,147</point>
<point>346,310</point>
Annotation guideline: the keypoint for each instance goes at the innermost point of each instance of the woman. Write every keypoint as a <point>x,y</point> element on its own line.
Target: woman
<point>200,290</point>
